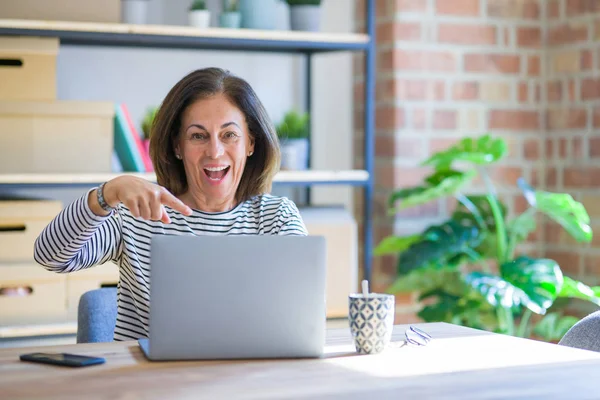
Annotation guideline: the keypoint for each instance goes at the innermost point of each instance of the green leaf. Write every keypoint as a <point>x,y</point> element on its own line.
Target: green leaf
<point>520,227</point>
<point>562,208</point>
<point>496,291</point>
<point>428,279</point>
<point>554,326</point>
<point>483,150</point>
<point>578,290</point>
<point>540,279</point>
<point>439,245</point>
<point>482,205</point>
<point>394,244</point>
<point>443,310</point>
<point>439,184</point>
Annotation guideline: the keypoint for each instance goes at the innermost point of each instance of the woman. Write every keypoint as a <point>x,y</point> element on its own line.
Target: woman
<point>215,153</point>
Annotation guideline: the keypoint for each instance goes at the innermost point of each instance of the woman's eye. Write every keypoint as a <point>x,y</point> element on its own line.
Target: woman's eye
<point>197,136</point>
<point>230,135</point>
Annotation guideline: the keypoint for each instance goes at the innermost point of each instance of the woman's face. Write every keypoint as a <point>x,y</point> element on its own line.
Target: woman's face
<point>214,144</point>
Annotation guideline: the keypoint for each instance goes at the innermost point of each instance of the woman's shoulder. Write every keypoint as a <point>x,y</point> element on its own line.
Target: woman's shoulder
<point>271,202</point>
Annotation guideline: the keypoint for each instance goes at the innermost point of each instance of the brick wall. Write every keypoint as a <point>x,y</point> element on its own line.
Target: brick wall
<point>523,69</point>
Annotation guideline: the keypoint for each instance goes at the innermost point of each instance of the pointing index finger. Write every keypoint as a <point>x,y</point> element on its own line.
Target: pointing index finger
<point>168,199</point>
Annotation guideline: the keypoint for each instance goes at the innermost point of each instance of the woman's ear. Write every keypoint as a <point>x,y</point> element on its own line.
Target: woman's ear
<point>251,146</point>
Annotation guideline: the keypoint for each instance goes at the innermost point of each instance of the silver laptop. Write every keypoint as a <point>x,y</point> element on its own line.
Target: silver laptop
<point>236,297</point>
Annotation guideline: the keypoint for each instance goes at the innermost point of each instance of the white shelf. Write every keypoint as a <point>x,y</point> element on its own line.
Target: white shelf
<point>67,328</point>
<point>355,177</point>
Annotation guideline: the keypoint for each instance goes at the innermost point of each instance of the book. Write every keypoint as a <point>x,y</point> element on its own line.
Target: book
<point>126,144</point>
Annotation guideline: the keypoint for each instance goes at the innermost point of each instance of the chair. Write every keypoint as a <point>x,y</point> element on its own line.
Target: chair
<point>97,315</point>
<point>585,334</point>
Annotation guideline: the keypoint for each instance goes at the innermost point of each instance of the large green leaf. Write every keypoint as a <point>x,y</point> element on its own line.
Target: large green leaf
<point>562,208</point>
<point>394,244</point>
<point>554,326</point>
<point>520,227</point>
<point>540,279</point>
<point>578,290</point>
<point>465,310</point>
<point>439,184</point>
<point>428,279</point>
<point>483,150</point>
<point>439,246</point>
<point>482,207</point>
<point>496,291</point>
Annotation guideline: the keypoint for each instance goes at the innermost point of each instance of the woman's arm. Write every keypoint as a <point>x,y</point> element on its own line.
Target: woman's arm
<point>80,236</point>
<point>291,220</point>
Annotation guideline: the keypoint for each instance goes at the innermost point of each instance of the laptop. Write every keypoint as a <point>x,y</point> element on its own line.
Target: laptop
<point>236,297</point>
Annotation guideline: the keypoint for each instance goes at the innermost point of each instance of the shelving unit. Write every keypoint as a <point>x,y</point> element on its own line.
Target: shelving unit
<point>170,37</point>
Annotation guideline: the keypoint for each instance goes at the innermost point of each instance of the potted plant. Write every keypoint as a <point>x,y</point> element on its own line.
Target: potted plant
<point>468,270</point>
<point>230,17</point>
<point>199,15</point>
<point>293,136</point>
<point>305,15</point>
<point>134,11</point>
<point>259,14</point>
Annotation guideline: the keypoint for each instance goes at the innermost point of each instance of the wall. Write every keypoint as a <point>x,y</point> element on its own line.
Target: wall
<point>525,69</point>
<point>142,77</point>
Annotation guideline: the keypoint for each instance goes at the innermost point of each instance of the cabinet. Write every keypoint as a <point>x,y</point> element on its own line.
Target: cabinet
<point>307,44</point>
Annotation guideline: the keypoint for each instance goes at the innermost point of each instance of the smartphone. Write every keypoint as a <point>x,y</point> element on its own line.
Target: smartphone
<point>64,359</point>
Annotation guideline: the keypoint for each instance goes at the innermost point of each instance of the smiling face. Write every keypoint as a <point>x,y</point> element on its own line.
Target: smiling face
<point>213,145</point>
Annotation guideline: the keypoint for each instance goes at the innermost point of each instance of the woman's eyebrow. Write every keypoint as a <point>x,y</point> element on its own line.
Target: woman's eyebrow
<point>197,126</point>
<point>225,125</point>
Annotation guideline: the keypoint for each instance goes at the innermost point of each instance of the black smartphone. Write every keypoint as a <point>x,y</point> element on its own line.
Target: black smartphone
<point>64,359</point>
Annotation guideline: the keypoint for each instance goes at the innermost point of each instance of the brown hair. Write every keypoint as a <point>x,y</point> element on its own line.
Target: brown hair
<point>260,168</point>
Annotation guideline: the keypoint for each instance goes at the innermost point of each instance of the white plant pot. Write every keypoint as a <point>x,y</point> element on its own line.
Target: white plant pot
<point>134,11</point>
<point>305,18</point>
<point>294,154</point>
<point>199,18</point>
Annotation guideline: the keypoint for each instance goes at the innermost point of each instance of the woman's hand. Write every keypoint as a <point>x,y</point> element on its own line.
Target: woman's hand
<point>143,198</point>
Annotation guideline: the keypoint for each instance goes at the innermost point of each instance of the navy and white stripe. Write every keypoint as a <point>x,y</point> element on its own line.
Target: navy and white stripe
<point>77,239</point>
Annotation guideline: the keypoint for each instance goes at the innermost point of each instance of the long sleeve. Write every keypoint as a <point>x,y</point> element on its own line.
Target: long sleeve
<point>77,238</point>
<point>291,220</point>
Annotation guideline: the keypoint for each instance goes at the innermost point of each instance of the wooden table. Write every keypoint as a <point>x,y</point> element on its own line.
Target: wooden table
<point>460,363</point>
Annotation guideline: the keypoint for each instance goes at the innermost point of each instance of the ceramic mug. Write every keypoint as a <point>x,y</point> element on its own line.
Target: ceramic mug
<point>371,321</point>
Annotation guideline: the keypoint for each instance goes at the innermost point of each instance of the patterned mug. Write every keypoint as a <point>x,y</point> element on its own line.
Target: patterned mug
<point>371,321</point>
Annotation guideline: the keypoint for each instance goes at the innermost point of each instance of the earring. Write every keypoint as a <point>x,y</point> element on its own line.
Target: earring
<point>249,154</point>
<point>178,156</point>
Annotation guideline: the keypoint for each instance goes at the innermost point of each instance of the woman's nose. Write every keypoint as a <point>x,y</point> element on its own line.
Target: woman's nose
<point>215,149</point>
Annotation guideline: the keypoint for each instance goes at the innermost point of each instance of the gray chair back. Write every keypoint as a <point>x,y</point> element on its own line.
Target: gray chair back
<point>585,334</point>
<point>97,315</point>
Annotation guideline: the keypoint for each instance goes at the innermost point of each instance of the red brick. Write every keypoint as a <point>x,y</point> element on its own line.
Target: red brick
<point>534,66</point>
<point>596,117</point>
<point>391,31</point>
<point>419,118</point>
<point>587,61</point>
<point>590,88</point>
<point>529,37</point>
<point>494,63</point>
<point>382,8</point>
<point>591,265</point>
<point>570,262</point>
<point>444,119</point>
<point>403,317</point>
<point>393,146</point>
<point>523,92</point>
<point>577,152</point>
<point>567,34</point>
<point>416,60</point>
<point>581,177</point>
<point>531,149</point>
<point>384,90</point>
<point>431,210</point>
<point>549,148</point>
<point>465,91</point>
<point>514,120</point>
<point>571,90</point>
<point>386,60</point>
<point>554,91</point>
<point>359,10</point>
<point>551,177</point>
<point>562,148</point>
<point>458,7</point>
<point>388,117</point>
<point>506,175</point>
<point>562,118</point>
<point>594,147</point>
<point>521,9</point>
<point>411,5</point>
<point>578,7</point>
<point>420,89</point>
<point>466,34</point>
<point>553,9</point>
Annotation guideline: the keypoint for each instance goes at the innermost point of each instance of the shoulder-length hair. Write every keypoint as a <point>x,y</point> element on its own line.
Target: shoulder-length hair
<point>260,168</point>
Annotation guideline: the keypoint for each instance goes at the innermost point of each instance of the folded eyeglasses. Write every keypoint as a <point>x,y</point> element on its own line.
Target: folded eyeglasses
<point>417,337</point>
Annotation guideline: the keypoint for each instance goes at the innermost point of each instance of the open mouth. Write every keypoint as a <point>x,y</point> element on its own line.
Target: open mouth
<point>216,174</point>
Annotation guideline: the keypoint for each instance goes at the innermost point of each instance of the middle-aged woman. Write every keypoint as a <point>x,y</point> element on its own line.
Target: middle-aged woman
<point>215,153</point>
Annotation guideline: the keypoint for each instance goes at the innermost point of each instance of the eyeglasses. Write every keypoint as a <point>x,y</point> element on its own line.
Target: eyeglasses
<point>417,337</point>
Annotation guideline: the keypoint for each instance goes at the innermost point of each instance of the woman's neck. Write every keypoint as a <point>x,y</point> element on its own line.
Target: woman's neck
<point>201,202</point>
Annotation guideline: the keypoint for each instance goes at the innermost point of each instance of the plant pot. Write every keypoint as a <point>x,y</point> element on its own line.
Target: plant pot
<point>259,14</point>
<point>230,20</point>
<point>294,154</point>
<point>134,11</point>
<point>305,18</point>
<point>199,18</point>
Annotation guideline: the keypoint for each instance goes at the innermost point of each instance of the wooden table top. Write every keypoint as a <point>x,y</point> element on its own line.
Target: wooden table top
<point>460,363</point>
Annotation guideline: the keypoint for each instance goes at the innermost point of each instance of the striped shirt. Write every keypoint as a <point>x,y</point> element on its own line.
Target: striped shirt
<point>77,239</point>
